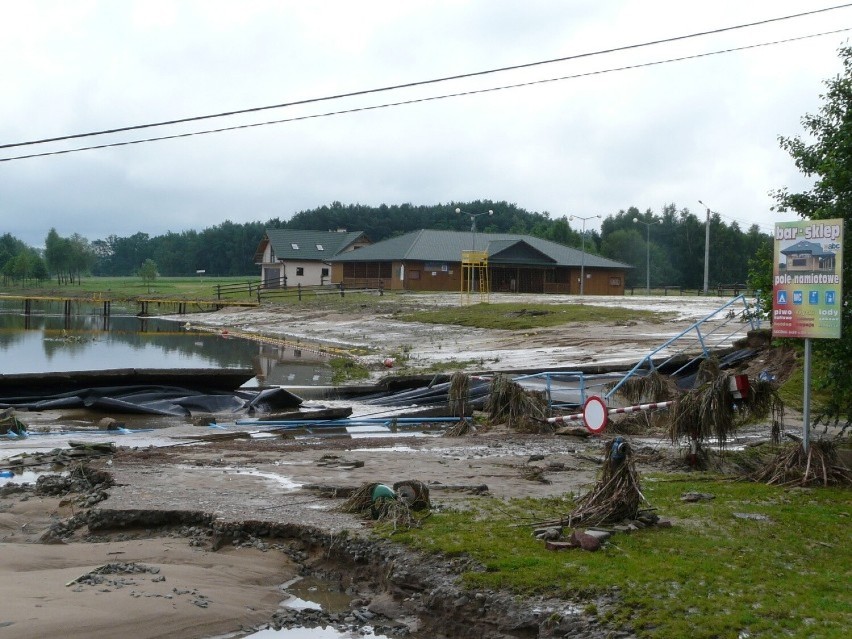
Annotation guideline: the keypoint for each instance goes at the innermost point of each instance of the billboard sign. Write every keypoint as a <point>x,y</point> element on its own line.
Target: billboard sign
<point>807,279</point>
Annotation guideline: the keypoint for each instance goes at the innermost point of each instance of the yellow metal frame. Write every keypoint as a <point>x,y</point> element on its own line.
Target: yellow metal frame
<point>474,276</point>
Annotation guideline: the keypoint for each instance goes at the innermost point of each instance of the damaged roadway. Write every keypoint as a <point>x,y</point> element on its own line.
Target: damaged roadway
<point>218,526</point>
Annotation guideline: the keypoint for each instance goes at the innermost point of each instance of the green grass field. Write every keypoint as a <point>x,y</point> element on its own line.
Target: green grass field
<point>202,288</point>
<point>518,316</point>
<point>713,575</point>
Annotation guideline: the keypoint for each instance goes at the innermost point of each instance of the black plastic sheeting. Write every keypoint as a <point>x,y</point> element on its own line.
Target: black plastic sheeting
<point>438,394</point>
<point>160,400</point>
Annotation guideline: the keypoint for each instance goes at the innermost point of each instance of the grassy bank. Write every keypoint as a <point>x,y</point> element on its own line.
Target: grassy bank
<point>784,570</point>
<point>131,287</point>
<point>520,316</point>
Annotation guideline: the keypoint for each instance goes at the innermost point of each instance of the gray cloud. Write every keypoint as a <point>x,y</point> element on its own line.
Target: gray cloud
<point>703,129</point>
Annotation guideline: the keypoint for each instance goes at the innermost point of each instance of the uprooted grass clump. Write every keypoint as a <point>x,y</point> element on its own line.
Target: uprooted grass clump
<point>793,466</point>
<point>710,411</point>
<point>459,429</point>
<point>387,509</point>
<point>616,495</point>
<point>458,398</point>
<point>508,402</point>
<point>459,393</point>
<point>652,387</point>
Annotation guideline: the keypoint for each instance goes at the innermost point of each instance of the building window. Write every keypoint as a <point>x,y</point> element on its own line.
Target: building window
<point>320,247</point>
<point>615,281</point>
<point>300,270</point>
<point>414,275</point>
<point>294,246</point>
<point>324,272</point>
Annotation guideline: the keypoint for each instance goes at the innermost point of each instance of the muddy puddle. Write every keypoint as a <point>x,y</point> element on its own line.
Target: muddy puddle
<point>322,597</point>
<point>22,477</point>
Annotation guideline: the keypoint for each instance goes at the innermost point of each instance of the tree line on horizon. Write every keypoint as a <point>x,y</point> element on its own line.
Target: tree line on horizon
<point>675,249</point>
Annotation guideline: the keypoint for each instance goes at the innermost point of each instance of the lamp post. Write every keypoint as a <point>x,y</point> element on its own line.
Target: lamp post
<point>706,246</point>
<point>636,220</point>
<point>473,217</point>
<point>583,249</point>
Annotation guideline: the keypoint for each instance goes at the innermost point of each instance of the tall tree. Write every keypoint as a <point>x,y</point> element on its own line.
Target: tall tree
<point>826,157</point>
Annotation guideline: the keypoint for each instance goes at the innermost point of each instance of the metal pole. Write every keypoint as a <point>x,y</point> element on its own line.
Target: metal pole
<point>583,259</point>
<point>583,250</point>
<point>806,399</point>
<point>707,252</point>
<point>648,263</point>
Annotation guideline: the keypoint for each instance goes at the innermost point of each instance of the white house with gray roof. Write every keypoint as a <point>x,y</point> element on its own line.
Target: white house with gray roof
<point>429,260</point>
<point>292,257</point>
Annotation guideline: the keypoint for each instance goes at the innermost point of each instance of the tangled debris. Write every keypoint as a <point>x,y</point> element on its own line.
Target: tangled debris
<point>390,504</point>
<point>459,393</point>
<point>10,425</point>
<point>617,494</point>
<point>711,411</point>
<point>795,467</point>
<point>460,429</point>
<point>508,402</point>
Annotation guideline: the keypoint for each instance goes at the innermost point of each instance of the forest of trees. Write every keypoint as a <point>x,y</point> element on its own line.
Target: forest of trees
<point>676,246</point>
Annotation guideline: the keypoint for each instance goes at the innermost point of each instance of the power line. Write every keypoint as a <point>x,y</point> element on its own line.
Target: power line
<point>747,224</point>
<point>418,100</point>
<point>423,82</point>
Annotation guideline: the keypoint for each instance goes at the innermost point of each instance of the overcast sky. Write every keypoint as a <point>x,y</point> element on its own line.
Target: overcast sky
<point>702,129</point>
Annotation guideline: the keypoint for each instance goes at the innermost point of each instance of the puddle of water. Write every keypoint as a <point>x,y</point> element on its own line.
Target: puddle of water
<point>306,593</point>
<point>21,477</point>
<point>317,594</point>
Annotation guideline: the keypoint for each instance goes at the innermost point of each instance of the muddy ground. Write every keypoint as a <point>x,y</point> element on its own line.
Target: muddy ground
<point>194,539</point>
<point>372,328</point>
<point>216,528</point>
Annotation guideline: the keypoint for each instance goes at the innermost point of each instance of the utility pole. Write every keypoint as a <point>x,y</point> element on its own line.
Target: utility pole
<point>583,249</point>
<point>706,247</point>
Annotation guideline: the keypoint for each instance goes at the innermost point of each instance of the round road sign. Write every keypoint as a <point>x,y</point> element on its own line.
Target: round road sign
<point>595,414</point>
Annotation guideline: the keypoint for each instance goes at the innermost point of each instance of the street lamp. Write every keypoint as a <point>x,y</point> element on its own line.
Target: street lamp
<point>706,246</point>
<point>636,220</point>
<point>473,217</point>
<point>583,249</point>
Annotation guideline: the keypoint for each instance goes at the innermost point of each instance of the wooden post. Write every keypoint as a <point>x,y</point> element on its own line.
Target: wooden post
<point>299,290</point>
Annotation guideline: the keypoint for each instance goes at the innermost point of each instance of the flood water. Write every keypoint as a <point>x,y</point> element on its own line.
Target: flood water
<point>50,341</point>
<point>54,342</point>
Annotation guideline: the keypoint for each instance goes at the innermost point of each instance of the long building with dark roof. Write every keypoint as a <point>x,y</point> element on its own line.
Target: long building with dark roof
<point>429,260</point>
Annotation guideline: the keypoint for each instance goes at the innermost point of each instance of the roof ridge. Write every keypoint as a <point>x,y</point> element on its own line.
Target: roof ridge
<point>417,236</point>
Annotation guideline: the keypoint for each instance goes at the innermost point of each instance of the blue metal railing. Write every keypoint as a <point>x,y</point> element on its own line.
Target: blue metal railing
<point>646,364</point>
<point>566,389</point>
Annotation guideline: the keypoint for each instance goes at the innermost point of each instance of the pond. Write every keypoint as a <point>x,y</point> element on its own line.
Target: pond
<point>54,342</point>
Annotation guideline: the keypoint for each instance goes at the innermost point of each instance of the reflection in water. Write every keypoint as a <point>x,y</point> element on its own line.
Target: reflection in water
<point>278,365</point>
<point>38,343</point>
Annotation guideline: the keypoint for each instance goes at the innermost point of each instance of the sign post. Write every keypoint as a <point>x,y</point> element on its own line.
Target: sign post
<point>807,290</point>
